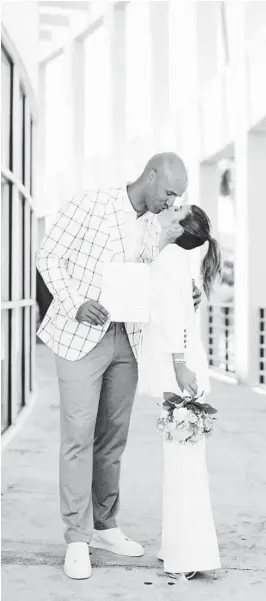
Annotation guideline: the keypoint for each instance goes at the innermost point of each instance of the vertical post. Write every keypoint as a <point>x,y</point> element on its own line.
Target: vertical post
<point>75,75</point>
<point>207,46</point>
<point>250,243</point>
<point>190,113</point>
<point>117,32</point>
<point>40,129</point>
<point>160,92</point>
<point>78,108</point>
<point>209,191</point>
<point>115,25</point>
<point>16,251</point>
<point>256,245</point>
<point>242,332</point>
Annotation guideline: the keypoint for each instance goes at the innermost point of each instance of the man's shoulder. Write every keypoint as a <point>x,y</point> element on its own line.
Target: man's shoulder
<point>101,195</point>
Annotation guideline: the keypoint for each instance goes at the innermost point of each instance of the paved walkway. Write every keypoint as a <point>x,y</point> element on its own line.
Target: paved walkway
<point>33,546</point>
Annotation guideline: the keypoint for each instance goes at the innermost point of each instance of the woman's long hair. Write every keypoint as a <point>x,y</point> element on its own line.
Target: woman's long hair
<point>197,230</point>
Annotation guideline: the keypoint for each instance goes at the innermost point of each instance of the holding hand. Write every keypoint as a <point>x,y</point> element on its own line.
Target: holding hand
<point>196,296</point>
<point>186,378</point>
<point>92,312</point>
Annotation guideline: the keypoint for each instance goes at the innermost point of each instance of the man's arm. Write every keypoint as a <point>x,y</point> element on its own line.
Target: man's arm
<point>56,248</point>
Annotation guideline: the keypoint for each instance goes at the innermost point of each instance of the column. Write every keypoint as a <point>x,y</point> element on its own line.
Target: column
<point>209,192</point>
<point>250,282</point>
<point>41,144</point>
<point>76,100</point>
<point>115,26</point>
<point>190,112</point>
<point>16,240</point>
<point>117,32</point>
<point>207,31</point>
<point>242,309</point>
<point>159,24</point>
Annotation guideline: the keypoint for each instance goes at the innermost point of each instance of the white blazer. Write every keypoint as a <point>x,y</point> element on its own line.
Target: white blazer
<point>172,319</point>
<point>88,231</point>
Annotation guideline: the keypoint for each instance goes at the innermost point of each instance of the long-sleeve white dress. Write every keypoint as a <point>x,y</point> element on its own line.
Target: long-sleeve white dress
<point>189,541</point>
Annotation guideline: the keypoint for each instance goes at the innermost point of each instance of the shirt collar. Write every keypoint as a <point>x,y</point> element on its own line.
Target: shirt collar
<point>128,207</point>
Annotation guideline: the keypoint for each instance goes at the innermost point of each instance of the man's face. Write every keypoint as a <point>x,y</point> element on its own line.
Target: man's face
<point>162,190</point>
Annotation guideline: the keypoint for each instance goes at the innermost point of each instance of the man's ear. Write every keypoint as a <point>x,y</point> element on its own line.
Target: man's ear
<point>151,176</point>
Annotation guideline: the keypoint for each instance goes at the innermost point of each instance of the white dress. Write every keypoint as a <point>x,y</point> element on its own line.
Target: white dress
<point>189,541</point>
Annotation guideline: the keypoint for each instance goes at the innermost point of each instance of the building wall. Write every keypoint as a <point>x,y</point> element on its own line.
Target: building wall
<point>19,60</point>
<point>200,80</point>
<point>21,20</point>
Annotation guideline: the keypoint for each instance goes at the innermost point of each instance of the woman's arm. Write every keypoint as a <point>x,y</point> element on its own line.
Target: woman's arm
<point>171,278</point>
<point>174,283</point>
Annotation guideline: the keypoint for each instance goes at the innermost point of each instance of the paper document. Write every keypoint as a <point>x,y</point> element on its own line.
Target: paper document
<point>126,291</point>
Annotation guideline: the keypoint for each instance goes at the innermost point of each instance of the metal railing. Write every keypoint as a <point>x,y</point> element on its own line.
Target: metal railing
<point>262,347</point>
<point>221,340</point>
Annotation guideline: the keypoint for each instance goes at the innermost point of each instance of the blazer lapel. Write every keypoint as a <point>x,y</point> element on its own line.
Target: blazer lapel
<point>150,243</point>
<point>117,227</point>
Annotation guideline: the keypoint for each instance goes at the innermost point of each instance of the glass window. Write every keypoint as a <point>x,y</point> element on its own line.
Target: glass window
<point>20,137</point>
<point>5,363</point>
<point>31,151</point>
<point>32,257</point>
<point>32,313</point>
<point>19,353</point>
<point>27,249</point>
<point>26,356</point>
<point>27,144</point>
<point>24,390</point>
<point>17,343</point>
<point>20,245</point>
<point>6,229</point>
<point>6,110</point>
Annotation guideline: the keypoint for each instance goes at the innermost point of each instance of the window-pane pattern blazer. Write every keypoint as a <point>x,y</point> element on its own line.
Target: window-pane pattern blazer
<point>88,232</point>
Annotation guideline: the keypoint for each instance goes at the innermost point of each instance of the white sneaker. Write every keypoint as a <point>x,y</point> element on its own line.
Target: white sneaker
<point>77,561</point>
<point>115,541</point>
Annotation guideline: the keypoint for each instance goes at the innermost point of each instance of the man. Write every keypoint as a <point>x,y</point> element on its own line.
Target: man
<point>95,359</point>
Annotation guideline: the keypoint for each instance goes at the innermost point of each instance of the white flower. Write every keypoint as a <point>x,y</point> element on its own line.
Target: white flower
<point>170,427</point>
<point>192,417</point>
<point>180,415</point>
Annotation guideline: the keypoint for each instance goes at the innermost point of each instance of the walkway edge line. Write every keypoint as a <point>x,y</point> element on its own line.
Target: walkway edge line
<point>15,428</point>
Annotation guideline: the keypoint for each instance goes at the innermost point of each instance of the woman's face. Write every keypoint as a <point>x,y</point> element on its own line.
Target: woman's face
<point>170,218</point>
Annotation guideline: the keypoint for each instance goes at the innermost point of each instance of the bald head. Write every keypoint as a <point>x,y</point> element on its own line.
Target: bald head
<point>168,163</point>
<point>163,180</point>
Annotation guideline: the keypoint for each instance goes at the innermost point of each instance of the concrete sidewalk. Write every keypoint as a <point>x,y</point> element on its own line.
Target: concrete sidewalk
<point>32,533</point>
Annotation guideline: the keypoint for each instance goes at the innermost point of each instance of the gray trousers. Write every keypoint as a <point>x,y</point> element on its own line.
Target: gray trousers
<point>96,399</point>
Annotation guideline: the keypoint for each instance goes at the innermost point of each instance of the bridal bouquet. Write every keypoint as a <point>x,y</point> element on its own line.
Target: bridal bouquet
<point>185,419</point>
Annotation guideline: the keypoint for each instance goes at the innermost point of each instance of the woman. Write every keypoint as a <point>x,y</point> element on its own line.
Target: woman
<point>173,362</point>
